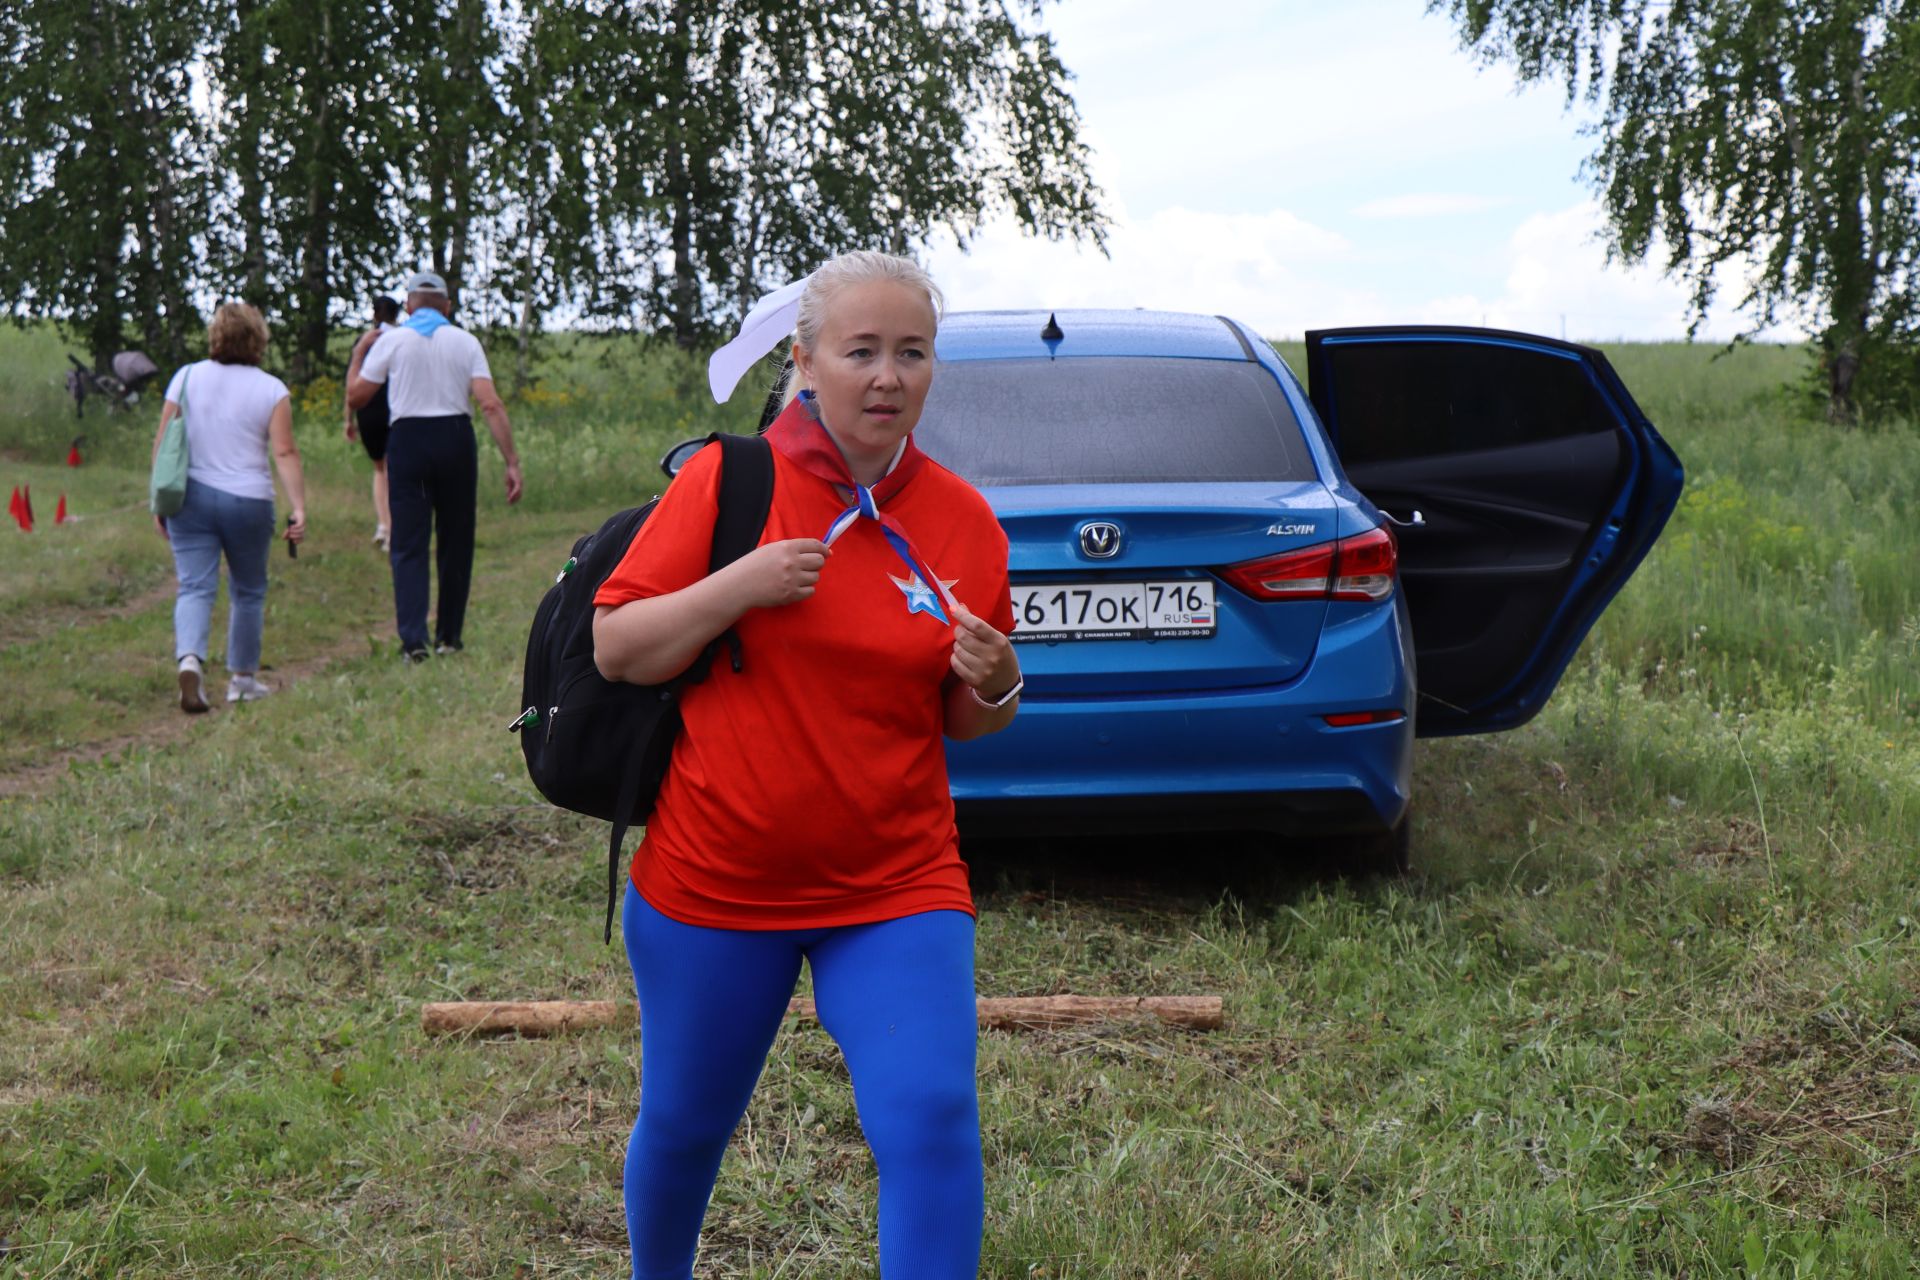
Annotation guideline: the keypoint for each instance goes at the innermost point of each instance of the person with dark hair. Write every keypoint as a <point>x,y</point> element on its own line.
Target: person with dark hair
<point>237,415</point>
<point>368,424</point>
<point>435,371</point>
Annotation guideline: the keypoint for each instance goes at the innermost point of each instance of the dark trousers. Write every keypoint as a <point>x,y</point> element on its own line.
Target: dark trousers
<point>432,473</point>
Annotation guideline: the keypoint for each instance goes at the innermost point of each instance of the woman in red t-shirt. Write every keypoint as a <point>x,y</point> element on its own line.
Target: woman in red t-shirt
<point>805,814</point>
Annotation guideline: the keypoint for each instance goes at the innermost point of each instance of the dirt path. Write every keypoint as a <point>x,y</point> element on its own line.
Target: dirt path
<point>26,628</point>
<point>170,726</point>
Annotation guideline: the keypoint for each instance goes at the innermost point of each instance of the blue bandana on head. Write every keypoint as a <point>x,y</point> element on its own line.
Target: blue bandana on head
<point>425,321</point>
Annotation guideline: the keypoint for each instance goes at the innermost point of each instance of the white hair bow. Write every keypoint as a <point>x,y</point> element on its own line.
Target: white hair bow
<point>770,320</point>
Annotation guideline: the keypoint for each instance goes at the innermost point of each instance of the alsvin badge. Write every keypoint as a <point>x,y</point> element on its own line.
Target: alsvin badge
<point>1054,611</point>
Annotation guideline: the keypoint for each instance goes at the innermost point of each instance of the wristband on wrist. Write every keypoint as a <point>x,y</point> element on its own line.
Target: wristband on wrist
<point>994,704</point>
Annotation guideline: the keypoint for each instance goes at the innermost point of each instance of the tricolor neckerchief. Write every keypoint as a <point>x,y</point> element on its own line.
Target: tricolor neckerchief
<point>802,437</point>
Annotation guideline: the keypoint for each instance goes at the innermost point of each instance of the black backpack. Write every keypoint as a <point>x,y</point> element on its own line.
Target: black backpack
<point>600,747</point>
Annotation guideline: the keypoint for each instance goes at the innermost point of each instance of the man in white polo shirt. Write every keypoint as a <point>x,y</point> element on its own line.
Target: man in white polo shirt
<point>431,369</point>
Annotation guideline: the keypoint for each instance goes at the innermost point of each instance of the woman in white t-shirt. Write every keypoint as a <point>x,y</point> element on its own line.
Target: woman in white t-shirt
<point>237,415</point>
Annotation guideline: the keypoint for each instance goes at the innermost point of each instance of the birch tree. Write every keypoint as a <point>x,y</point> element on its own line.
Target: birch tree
<point>1779,136</point>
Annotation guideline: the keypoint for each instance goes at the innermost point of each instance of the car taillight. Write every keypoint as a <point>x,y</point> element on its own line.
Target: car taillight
<point>1358,568</point>
<point>1296,575</point>
<point>1364,565</point>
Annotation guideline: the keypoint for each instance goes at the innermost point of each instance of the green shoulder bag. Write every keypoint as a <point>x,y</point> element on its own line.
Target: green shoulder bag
<point>167,491</point>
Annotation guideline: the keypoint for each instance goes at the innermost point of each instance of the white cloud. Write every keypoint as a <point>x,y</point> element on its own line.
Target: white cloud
<point>1284,275</point>
<point>1558,279</point>
<point>1433,204</point>
<point>1245,155</point>
<point>1179,259</point>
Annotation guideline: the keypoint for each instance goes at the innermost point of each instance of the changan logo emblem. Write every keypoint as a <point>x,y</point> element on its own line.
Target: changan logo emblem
<point>1100,540</point>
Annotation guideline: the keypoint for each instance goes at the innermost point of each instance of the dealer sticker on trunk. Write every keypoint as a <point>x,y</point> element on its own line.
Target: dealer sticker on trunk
<point>1055,611</point>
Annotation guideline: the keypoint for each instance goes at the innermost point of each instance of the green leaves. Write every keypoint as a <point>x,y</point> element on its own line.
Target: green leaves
<point>102,190</point>
<point>649,163</point>
<point>1776,140</point>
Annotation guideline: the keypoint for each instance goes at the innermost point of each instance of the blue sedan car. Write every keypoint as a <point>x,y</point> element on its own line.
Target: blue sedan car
<point>1240,600</point>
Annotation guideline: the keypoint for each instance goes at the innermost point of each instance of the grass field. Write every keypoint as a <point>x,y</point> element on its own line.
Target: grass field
<point>1649,1005</point>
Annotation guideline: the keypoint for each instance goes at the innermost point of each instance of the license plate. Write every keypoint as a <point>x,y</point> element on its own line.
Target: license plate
<point>1053,611</point>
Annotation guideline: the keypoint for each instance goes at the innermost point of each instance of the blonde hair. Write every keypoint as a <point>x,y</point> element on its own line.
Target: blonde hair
<point>238,334</point>
<point>860,266</point>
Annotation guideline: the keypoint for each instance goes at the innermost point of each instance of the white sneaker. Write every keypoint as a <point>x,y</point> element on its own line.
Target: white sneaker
<point>380,537</point>
<point>193,696</point>
<point>246,689</point>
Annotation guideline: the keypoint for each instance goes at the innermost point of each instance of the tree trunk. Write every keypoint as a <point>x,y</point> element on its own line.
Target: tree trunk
<point>534,159</point>
<point>1855,273</point>
<point>168,294</point>
<point>1843,358</point>
<point>143,267</point>
<point>316,241</point>
<point>462,216</point>
<point>1843,344</point>
<point>455,202</point>
<point>316,247</point>
<point>437,199</point>
<point>246,161</point>
<point>683,305</point>
<point>103,325</point>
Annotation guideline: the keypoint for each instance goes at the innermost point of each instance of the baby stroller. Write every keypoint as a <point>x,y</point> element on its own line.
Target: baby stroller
<point>131,370</point>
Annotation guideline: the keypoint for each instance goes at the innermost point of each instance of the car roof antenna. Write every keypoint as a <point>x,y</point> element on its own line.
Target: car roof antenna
<point>1051,335</point>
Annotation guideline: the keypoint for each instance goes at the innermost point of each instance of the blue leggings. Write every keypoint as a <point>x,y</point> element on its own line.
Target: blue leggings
<point>898,998</point>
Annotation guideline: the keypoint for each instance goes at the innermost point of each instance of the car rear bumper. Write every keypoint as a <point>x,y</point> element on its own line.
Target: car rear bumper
<point>1287,813</point>
<point>1257,759</point>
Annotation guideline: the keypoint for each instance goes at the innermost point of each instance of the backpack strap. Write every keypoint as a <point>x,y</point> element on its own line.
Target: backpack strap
<point>746,496</point>
<point>623,807</point>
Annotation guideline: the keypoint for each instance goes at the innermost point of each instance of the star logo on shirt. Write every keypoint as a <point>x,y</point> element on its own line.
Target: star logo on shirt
<point>920,596</point>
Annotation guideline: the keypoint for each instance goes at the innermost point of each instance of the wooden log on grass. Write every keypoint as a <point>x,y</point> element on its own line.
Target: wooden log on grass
<point>523,1017</point>
<point>1017,1013</point>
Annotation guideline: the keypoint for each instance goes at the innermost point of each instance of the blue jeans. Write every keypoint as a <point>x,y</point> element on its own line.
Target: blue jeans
<point>210,522</point>
<point>896,995</point>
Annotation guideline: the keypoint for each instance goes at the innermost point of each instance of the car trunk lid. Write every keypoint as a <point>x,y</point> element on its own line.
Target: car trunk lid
<point>1165,538</point>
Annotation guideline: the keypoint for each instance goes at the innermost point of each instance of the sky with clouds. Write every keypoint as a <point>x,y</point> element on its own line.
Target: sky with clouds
<point>1305,163</point>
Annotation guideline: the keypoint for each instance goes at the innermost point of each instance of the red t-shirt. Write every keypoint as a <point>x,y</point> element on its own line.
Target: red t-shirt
<point>809,789</point>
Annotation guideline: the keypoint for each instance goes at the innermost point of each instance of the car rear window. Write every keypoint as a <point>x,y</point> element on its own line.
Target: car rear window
<point>1111,420</point>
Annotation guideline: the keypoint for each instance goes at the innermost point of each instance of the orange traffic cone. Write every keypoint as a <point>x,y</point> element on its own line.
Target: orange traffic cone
<point>60,512</point>
<point>17,510</point>
<point>73,452</point>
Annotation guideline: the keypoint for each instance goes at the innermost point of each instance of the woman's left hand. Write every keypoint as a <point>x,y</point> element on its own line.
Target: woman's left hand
<point>982,656</point>
<point>160,523</point>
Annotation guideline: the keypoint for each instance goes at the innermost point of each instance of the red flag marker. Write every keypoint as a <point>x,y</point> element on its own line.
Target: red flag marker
<point>14,509</point>
<point>60,512</point>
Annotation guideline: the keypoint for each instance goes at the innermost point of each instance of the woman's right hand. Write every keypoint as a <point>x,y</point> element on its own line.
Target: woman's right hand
<point>780,572</point>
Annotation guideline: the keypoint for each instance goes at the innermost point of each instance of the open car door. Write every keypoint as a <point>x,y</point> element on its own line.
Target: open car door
<point>1540,485</point>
